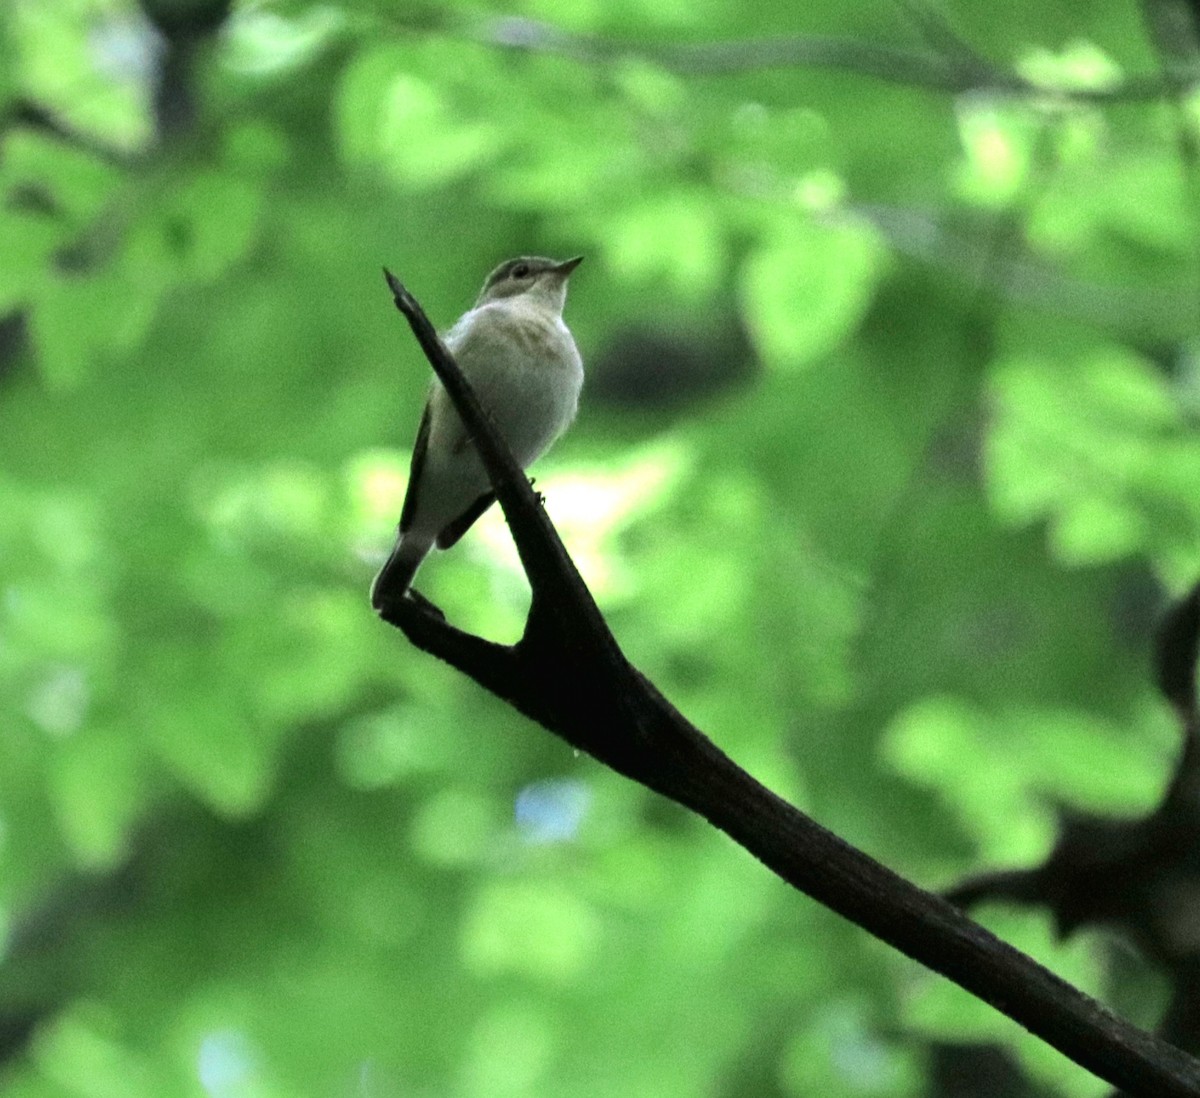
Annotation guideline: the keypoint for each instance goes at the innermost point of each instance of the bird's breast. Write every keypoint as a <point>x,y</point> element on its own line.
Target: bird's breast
<point>525,368</point>
<point>510,331</point>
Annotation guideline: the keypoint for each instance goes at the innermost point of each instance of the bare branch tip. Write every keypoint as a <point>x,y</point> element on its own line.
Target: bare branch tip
<point>396,286</point>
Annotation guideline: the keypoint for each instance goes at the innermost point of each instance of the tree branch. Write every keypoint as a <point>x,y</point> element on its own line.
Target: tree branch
<point>568,674</point>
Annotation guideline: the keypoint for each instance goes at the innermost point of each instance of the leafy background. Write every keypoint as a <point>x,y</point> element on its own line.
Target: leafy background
<point>886,464</point>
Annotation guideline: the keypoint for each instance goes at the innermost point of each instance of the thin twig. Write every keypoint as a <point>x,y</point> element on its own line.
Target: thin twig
<point>891,64</point>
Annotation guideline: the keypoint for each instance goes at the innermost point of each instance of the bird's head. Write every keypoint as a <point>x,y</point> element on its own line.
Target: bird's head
<point>542,280</point>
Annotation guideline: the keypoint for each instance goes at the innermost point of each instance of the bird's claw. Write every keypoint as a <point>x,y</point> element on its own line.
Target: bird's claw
<point>412,600</point>
<point>424,605</point>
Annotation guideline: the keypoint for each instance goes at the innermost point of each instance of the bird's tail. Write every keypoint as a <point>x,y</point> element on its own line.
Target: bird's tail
<point>396,576</point>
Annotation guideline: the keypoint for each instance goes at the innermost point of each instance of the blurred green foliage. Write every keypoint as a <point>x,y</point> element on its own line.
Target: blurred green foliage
<point>923,452</point>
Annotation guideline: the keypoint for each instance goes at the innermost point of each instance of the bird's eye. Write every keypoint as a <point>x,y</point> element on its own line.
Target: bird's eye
<point>521,270</point>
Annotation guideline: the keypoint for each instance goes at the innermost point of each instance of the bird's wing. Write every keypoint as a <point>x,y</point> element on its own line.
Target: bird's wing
<point>467,342</point>
<point>452,531</point>
<point>409,511</point>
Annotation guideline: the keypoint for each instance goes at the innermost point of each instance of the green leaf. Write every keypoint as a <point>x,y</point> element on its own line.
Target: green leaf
<point>98,792</point>
<point>265,42</point>
<point>74,182</point>
<point>27,244</point>
<point>403,121</point>
<point>675,239</point>
<point>807,290</point>
<point>223,760</point>
<point>952,748</point>
<point>522,928</point>
<point>840,1054</point>
<point>1098,445</point>
<point>78,322</point>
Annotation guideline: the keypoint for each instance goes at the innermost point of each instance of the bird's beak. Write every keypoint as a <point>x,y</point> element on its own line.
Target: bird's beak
<point>567,266</point>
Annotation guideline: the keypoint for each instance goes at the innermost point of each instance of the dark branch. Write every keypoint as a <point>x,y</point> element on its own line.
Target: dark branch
<point>1019,886</point>
<point>568,673</point>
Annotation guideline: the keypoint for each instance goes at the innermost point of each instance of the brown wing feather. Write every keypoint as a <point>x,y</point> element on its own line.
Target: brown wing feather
<point>452,531</point>
<point>408,512</point>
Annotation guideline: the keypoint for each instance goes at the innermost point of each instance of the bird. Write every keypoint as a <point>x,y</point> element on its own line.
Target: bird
<point>520,358</point>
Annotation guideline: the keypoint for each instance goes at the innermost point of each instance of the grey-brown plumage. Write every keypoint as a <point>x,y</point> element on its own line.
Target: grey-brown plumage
<point>522,362</point>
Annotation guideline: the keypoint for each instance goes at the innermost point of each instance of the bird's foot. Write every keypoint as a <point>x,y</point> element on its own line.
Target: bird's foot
<point>424,605</point>
<point>411,600</point>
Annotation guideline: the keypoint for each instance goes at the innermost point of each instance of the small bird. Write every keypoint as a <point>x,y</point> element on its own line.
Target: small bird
<point>522,362</point>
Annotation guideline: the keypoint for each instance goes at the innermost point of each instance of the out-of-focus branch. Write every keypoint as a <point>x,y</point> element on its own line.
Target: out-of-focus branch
<point>880,62</point>
<point>568,674</point>
<point>1155,311</point>
<point>955,72</point>
<point>184,27</point>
